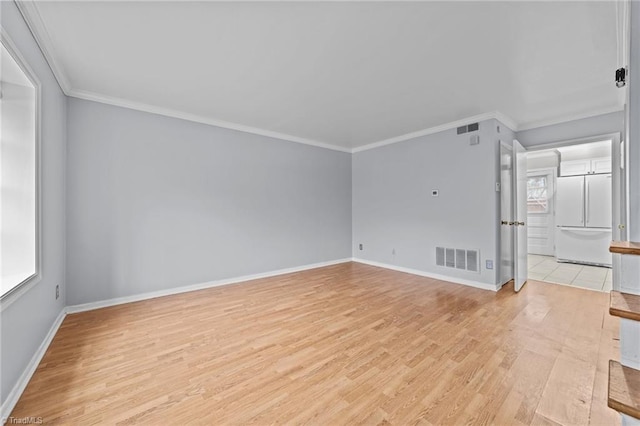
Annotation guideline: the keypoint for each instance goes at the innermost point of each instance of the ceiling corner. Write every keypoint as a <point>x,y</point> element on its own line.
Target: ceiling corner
<point>507,121</point>
<point>570,117</point>
<point>31,15</point>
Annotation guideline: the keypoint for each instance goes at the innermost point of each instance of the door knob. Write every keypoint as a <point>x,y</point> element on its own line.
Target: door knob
<point>519,223</point>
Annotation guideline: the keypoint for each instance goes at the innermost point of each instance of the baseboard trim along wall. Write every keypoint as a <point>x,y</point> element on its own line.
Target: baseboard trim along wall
<point>20,386</point>
<point>470,283</point>
<point>18,389</point>
<point>177,290</point>
<point>16,392</point>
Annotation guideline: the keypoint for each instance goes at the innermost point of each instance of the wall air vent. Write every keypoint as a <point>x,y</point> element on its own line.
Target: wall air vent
<point>473,127</point>
<point>467,260</point>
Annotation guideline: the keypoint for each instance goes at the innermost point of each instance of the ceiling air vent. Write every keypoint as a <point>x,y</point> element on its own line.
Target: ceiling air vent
<point>473,127</point>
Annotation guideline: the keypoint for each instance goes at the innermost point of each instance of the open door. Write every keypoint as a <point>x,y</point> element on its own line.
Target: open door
<point>520,242</point>
<point>506,212</point>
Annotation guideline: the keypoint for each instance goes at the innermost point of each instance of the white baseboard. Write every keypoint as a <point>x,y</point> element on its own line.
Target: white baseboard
<point>470,283</point>
<point>19,387</point>
<point>13,397</point>
<point>176,290</point>
<point>16,392</point>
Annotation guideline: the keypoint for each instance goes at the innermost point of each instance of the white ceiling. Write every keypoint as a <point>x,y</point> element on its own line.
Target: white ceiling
<point>343,74</point>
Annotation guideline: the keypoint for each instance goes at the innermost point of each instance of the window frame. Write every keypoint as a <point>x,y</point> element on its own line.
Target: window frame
<point>18,290</point>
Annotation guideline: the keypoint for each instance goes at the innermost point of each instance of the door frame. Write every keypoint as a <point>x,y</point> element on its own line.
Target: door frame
<point>520,217</point>
<point>619,193</point>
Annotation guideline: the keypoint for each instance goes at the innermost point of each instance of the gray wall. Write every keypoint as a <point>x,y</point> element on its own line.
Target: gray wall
<point>393,207</point>
<point>576,129</point>
<point>156,202</point>
<point>26,322</point>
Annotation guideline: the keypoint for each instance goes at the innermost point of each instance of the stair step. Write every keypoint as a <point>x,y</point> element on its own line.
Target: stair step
<point>624,389</point>
<point>625,247</point>
<point>625,305</point>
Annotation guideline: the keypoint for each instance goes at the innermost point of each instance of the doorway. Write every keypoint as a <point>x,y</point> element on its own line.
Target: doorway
<point>575,207</point>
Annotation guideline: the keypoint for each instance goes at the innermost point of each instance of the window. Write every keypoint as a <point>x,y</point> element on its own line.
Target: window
<point>537,194</point>
<point>19,233</point>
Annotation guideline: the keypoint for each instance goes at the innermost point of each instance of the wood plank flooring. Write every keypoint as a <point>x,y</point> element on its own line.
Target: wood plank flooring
<point>344,344</point>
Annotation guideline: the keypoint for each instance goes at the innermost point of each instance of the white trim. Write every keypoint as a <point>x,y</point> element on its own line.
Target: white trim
<point>21,384</point>
<point>139,106</point>
<point>567,118</point>
<point>507,121</point>
<point>184,289</point>
<point>33,19</point>
<point>429,131</point>
<point>31,15</point>
<point>470,283</point>
<point>36,25</point>
<point>17,291</point>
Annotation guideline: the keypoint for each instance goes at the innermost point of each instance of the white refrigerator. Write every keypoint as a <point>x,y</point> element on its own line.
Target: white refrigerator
<point>583,219</point>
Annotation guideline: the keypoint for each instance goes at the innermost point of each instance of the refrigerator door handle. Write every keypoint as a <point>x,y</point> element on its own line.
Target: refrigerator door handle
<point>582,229</point>
<point>586,204</point>
<point>582,210</point>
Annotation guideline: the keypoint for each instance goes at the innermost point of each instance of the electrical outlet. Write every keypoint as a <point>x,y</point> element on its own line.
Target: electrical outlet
<point>360,246</point>
<point>489,264</point>
<point>57,291</point>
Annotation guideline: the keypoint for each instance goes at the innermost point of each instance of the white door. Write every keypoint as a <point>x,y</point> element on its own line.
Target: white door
<point>520,214</point>
<point>570,201</point>
<point>598,201</point>
<point>541,211</point>
<point>506,212</point>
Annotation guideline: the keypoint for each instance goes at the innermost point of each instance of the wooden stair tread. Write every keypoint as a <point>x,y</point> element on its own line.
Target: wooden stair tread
<point>625,305</point>
<point>624,389</point>
<point>625,247</point>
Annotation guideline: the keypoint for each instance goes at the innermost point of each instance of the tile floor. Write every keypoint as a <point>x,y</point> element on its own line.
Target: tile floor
<point>545,268</point>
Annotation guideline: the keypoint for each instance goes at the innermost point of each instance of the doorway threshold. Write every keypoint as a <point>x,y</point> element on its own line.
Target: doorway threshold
<point>547,269</point>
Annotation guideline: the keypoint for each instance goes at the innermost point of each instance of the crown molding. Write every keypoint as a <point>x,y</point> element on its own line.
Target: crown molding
<point>139,106</point>
<point>31,15</point>
<point>440,128</point>
<point>507,121</point>
<point>34,21</point>
<point>569,117</point>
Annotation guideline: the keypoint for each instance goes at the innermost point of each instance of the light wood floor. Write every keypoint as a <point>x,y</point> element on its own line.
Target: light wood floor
<point>343,344</point>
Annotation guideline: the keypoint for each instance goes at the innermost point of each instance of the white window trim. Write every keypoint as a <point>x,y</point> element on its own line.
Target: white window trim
<point>20,289</point>
<point>553,171</point>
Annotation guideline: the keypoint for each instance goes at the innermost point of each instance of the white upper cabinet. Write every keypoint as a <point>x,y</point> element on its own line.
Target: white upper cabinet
<point>601,165</point>
<point>585,167</point>
<point>575,167</point>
